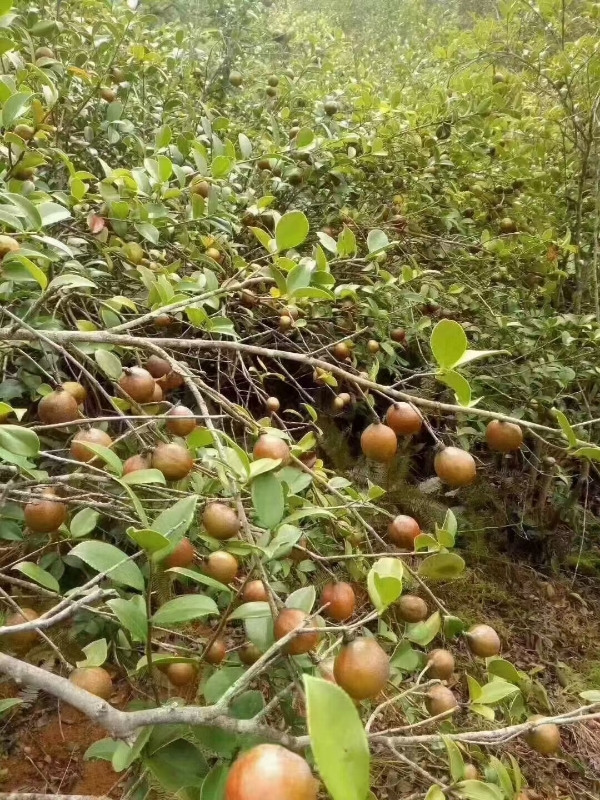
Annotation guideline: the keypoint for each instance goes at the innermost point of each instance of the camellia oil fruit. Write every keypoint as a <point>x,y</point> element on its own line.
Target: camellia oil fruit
<point>45,514</point>
<point>483,641</point>
<point>362,668</point>
<point>404,419</point>
<point>269,446</point>
<point>455,467</point>
<point>270,772</point>
<point>173,460</point>
<point>403,530</point>
<point>94,680</point>
<point>78,449</point>
<point>58,407</point>
<point>138,383</point>
<point>503,436</point>
<point>301,642</point>
<point>255,592</point>
<point>545,739</point>
<point>378,442</point>
<point>340,601</point>
<point>220,521</point>
<point>181,556</point>
<point>441,664</point>
<point>22,640</point>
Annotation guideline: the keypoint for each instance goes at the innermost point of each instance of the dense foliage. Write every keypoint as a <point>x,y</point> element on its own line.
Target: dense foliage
<point>289,295</point>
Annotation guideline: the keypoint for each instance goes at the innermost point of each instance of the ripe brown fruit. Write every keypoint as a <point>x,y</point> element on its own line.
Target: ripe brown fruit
<point>373,346</point>
<point>302,642</point>
<point>80,452</point>
<point>180,421</point>
<point>181,673</point>
<point>378,442</point>
<point>503,436</point>
<point>441,664</point>
<point>94,680</point>
<point>270,772</point>
<point>545,739</point>
<point>439,700</point>
<point>164,321</point>
<point>58,406</point>
<point>45,515</point>
<point>483,641</point>
<point>8,245</point>
<point>173,380</point>
<point>22,639</point>
<point>76,390</point>
<point>157,395</point>
<point>221,566</point>
<point>255,592</point>
<point>216,653</point>
<point>272,405</point>
<point>182,555</point>
<point>270,446</point>
<point>362,668</point>
<point>285,322</point>
<point>398,335</point>
<point>412,608</point>
<point>249,654</point>
<point>135,464</point>
<point>221,521</point>
<point>404,419</point>
<point>158,367</point>
<point>173,460</point>
<point>138,383</point>
<point>341,600</point>
<point>341,351</point>
<point>403,530</point>
<point>455,467</point>
<point>106,93</point>
<point>200,187</point>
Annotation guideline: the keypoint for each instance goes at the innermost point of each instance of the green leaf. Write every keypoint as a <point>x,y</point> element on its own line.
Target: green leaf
<point>199,577</point>
<point>453,626</point>
<point>148,231</point>
<point>218,683</point>
<point>132,615</point>
<point>68,281</point>
<point>377,240</point>
<point>15,107</point>
<point>303,599</point>
<point>51,213</point>
<point>503,776</point>
<point>96,654</point>
<point>304,138</point>
<point>143,477</point>
<point>471,355</point>
<point>103,749</point>
<point>163,137</point>
<point>31,269</point>
<point>504,669</point>
<point>591,453</point>
<point>592,695</point>
<point>291,230</point>
<point>175,521</point>
<point>268,500</point>
<point>221,166</point>
<point>245,145</point>
<point>8,703</point>
<point>107,455</point>
<point>27,208</point>
<point>495,691</point>
<point>442,567</point>
<point>457,764</point>
<point>184,609</point>
<point>20,441</point>
<point>251,610</point>
<point>405,658</point>
<point>422,633</point>
<point>213,786</point>
<point>384,582</point>
<point>109,364</point>
<point>459,384</point>
<point>477,790</point>
<point>435,793</point>
<point>346,243</point>
<point>104,557</point>
<point>566,428</point>
<point>149,540</point>
<point>474,689</point>
<point>177,765</point>
<point>83,522</point>
<point>38,575</point>
<point>337,739</point>
<point>448,343</point>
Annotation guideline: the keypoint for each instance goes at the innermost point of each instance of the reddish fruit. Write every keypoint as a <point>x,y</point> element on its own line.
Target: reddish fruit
<point>181,673</point>
<point>249,654</point>
<point>272,405</point>
<point>76,390</point>
<point>455,467</point>
<point>270,446</point>
<point>404,419</point>
<point>157,395</point>
<point>440,700</point>
<point>158,367</point>
<point>341,351</point>
<point>138,383</point>
<point>22,639</point>
<point>362,668</point>
<point>255,592</point>
<point>441,664</point>
<point>58,406</point>
<point>78,449</point>
<point>164,321</point>
<point>173,460</point>
<point>135,464</point>
<point>182,555</point>
<point>398,335</point>
<point>403,530</point>
<point>412,608</point>
<point>216,653</point>
<point>378,442</point>
<point>270,772</point>
<point>94,680</point>
<point>171,381</point>
<point>503,436</point>
<point>45,515</point>
<point>221,566</point>
<point>483,641</point>
<point>180,421</point>
<point>302,642</point>
<point>220,521</point>
<point>341,601</point>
